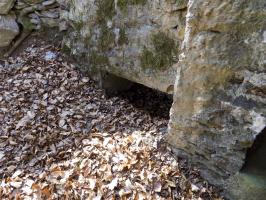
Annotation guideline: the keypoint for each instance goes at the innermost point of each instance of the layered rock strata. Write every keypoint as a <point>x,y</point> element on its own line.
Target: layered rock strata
<point>219,104</point>
<point>28,15</point>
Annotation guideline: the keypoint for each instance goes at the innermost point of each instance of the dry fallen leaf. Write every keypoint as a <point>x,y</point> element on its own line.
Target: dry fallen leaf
<point>113,184</point>
<point>62,138</point>
<point>16,184</point>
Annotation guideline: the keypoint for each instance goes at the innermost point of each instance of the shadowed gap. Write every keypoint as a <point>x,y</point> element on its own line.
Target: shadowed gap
<point>156,103</point>
<point>256,157</point>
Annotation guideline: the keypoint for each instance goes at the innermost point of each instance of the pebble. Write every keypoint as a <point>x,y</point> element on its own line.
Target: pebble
<point>50,56</point>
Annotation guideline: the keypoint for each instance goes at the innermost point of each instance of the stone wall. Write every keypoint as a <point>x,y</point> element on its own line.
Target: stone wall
<point>137,40</point>
<point>8,27</point>
<point>26,15</point>
<point>220,96</point>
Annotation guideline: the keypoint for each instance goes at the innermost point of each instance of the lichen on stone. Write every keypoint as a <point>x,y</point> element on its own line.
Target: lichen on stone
<point>178,2</point>
<point>25,22</point>
<point>98,60</point>
<point>105,11</point>
<point>78,25</point>
<point>123,39</point>
<point>106,38</point>
<point>123,4</point>
<point>161,56</point>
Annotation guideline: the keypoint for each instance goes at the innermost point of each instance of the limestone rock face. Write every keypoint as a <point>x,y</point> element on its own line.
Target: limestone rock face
<point>8,29</point>
<point>136,40</point>
<point>5,6</point>
<point>220,94</point>
<point>33,1</point>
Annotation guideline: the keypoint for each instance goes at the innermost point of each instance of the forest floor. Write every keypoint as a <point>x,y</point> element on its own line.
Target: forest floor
<point>62,138</point>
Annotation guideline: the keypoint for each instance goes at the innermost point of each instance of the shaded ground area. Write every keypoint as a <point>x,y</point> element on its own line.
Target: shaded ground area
<point>156,103</point>
<point>61,138</point>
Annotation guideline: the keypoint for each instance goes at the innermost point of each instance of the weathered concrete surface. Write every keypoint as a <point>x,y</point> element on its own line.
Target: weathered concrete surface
<point>220,95</point>
<point>136,40</point>
<point>5,6</point>
<point>8,29</point>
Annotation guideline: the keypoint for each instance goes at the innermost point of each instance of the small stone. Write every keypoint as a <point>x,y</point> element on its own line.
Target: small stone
<point>50,22</point>
<point>20,5</point>
<point>194,188</point>
<point>53,13</point>
<point>48,3</point>
<point>35,21</point>
<point>50,56</point>
<point>63,26</point>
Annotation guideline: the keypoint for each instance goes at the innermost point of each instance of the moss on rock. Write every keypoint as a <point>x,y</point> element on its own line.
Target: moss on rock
<point>98,60</point>
<point>106,10</point>
<point>123,4</point>
<point>178,2</point>
<point>123,39</point>
<point>106,38</point>
<point>161,55</point>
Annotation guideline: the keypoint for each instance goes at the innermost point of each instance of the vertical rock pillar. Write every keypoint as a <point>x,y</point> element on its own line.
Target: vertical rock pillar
<point>219,104</point>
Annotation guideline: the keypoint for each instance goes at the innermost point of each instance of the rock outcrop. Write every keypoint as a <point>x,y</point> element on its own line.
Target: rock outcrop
<point>5,6</point>
<point>8,25</point>
<point>136,40</point>
<point>220,95</point>
<point>8,29</point>
<point>30,14</point>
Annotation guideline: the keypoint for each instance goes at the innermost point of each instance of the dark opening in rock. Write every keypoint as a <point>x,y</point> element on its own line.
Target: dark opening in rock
<point>113,84</point>
<point>250,182</point>
<point>156,103</point>
<point>256,157</point>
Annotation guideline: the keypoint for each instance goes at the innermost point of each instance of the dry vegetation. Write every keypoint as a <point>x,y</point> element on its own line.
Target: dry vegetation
<point>61,138</point>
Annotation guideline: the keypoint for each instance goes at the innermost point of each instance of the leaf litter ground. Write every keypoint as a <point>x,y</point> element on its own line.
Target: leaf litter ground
<point>62,138</point>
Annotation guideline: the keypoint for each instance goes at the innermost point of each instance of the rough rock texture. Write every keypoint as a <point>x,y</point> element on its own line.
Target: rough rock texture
<point>136,40</point>
<point>30,14</point>
<point>35,14</point>
<point>5,6</point>
<point>250,182</point>
<point>220,95</point>
<point>8,29</point>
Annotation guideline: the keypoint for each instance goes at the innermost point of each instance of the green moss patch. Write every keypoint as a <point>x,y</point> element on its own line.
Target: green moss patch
<point>178,2</point>
<point>123,39</point>
<point>106,38</point>
<point>161,56</point>
<point>123,4</point>
<point>106,10</point>
<point>98,60</point>
<point>27,25</point>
